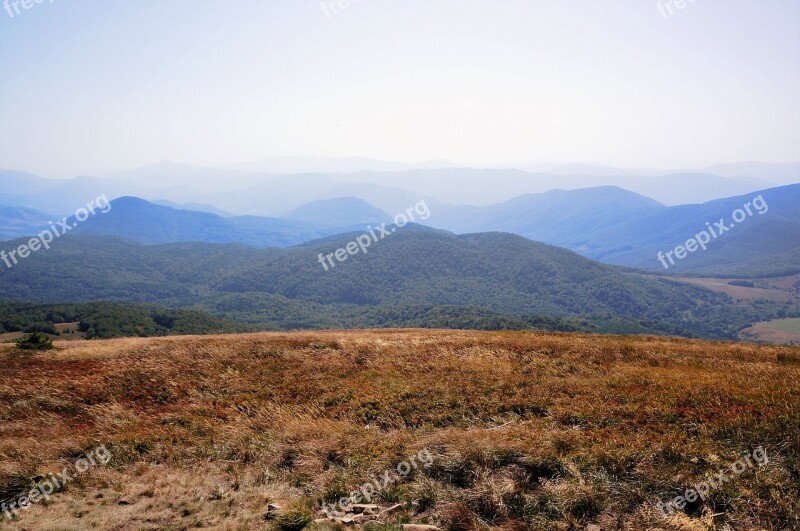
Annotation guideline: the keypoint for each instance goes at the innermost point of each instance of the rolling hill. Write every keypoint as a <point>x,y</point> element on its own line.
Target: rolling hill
<point>416,267</point>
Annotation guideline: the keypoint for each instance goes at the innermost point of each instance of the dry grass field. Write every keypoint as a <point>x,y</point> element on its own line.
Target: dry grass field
<point>525,430</point>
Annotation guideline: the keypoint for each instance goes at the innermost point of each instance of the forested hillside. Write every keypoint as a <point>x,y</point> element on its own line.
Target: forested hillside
<point>506,280</point>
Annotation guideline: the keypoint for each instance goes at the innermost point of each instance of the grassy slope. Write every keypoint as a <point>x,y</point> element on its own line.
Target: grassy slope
<point>787,325</point>
<point>527,430</point>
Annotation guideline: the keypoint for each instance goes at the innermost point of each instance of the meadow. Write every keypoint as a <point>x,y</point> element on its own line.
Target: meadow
<point>787,325</point>
<point>525,430</point>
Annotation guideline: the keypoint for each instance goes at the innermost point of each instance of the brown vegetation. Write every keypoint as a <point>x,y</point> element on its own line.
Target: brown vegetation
<point>526,430</point>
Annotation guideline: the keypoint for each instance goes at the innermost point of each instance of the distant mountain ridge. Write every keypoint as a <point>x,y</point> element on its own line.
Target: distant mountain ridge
<point>144,222</point>
<point>263,190</point>
<point>342,211</point>
<point>557,216</point>
<point>620,227</point>
<point>17,222</point>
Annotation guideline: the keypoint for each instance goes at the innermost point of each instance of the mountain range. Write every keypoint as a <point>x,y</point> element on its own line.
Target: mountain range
<point>620,227</point>
<point>583,258</point>
<point>274,187</point>
<point>144,222</point>
<point>606,223</point>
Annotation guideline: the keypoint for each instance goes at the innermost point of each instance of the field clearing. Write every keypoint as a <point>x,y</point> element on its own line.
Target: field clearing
<point>786,325</point>
<point>780,290</point>
<point>788,283</point>
<point>525,430</point>
<point>67,331</point>
<point>779,331</point>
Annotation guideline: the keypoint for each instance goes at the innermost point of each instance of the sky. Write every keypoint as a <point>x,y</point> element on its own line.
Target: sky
<point>89,87</point>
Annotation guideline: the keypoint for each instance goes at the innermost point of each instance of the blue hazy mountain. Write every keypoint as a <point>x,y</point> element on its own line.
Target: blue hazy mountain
<point>342,211</point>
<point>140,221</point>
<point>17,222</point>
<point>619,227</point>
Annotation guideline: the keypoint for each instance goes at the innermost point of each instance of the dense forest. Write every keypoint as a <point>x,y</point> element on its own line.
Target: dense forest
<point>418,277</point>
<point>106,320</point>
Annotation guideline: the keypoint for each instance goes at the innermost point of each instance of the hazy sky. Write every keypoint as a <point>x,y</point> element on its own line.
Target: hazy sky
<point>88,87</point>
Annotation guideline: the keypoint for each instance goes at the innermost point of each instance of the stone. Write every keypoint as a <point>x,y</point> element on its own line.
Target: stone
<point>364,508</point>
<point>420,527</point>
<point>392,509</point>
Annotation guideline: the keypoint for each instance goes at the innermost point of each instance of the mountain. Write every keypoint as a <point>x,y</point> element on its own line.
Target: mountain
<point>195,207</point>
<point>604,223</point>
<point>148,223</point>
<point>558,217</point>
<point>389,199</point>
<point>689,187</point>
<point>20,183</point>
<point>761,244</point>
<point>409,268</point>
<point>623,228</point>
<point>487,186</point>
<point>776,173</point>
<point>501,272</point>
<point>20,189</point>
<point>144,222</point>
<point>61,197</point>
<point>275,190</point>
<point>342,212</point>
<point>16,222</point>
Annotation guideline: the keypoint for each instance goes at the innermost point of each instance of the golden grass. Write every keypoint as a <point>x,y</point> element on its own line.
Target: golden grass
<point>527,430</point>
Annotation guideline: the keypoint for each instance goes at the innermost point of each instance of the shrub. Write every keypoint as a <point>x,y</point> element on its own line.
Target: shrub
<point>294,518</point>
<point>35,341</point>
